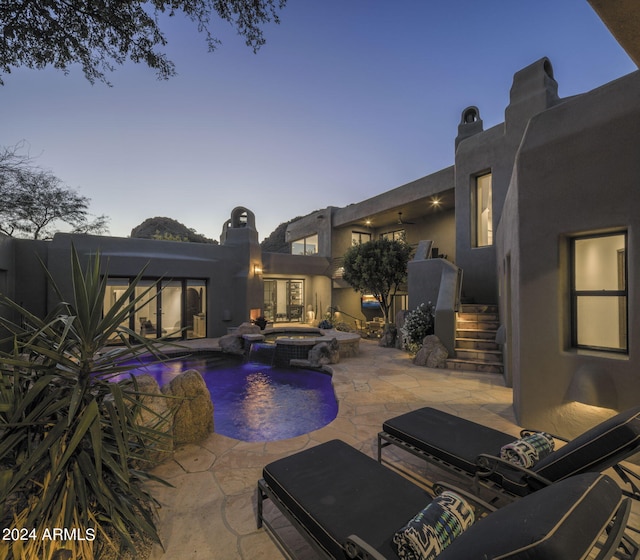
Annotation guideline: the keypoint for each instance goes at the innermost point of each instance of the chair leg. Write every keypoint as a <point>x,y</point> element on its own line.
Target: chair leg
<point>627,475</point>
<point>261,497</point>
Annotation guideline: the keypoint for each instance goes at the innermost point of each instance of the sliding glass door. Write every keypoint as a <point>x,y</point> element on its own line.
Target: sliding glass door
<point>169,308</point>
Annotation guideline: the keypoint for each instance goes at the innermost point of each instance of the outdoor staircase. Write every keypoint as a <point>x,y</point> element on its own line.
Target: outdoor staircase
<point>476,347</point>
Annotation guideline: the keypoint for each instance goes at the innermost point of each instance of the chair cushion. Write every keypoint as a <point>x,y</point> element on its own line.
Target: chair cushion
<point>335,491</point>
<point>527,451</point>
<point>434,528</point>
<point>597,449</point>
<point>559,522</point>
<point>447,437</point>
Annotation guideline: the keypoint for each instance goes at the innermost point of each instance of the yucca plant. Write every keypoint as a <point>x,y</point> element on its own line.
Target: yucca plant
<point>71,449</point>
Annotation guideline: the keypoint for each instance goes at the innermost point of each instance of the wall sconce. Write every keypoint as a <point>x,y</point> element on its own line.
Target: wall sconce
<point>257,270</point>
<point>593,386</point>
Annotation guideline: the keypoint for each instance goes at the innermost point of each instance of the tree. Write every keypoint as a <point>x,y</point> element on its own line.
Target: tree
<point>101,33</point>
<point>168,229</point>
<point>379,268</point>
<point>11,160</point>
<point>33,202</point>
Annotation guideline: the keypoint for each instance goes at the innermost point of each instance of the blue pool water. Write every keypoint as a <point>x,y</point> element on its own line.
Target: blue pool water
<point>257,402</point>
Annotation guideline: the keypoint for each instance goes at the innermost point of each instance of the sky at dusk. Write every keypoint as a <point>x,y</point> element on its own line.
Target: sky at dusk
<point>347,99</point>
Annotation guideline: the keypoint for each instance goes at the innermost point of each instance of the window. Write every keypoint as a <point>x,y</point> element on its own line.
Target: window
<point>359,237</point>
<point>397,235</point>
<point>305,246</point>
<point>173,308</point>
<point>283,299</point>
<point>483,213</point>
<point>599,292</point>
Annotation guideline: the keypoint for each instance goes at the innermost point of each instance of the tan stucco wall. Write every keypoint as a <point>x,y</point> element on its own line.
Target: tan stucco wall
<point>577,172</point>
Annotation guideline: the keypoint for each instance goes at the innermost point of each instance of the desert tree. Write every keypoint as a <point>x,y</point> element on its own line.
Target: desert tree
<point>12,160</point>
<point>102,33</point>
<point>34,203</point>
<point>379,268</point>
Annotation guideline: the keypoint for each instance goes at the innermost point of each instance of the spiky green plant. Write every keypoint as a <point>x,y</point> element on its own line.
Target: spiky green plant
<point>71,447</point>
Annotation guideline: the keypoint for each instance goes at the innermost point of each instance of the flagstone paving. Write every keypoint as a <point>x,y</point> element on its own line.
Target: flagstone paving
<point>209,512</point>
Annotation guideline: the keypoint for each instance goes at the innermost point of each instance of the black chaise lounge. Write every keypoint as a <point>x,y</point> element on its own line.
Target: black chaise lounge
<point>473,450</point>
<point>347,505</point>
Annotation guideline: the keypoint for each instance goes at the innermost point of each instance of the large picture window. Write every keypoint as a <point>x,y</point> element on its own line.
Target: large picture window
<point>172,308</point>
<point>305,246</point>
<point>599,292</point>
<point>396,235</point>
<point>360,237</point>
<point>483,211</point>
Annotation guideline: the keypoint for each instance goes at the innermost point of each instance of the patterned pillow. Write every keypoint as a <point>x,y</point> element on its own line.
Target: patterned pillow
<point>527,451</point>
<point>434,528</point>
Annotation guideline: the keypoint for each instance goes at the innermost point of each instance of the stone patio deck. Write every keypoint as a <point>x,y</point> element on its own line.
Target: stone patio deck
<point>210,511</point>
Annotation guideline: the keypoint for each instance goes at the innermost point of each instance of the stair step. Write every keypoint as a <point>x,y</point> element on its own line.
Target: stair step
<point>476,349</point>
<point>476,334</point>
<point>476,317</point>
<point>478,308</point>
<point>478,326</point>
<point>476,343</point>
<point>490,356</point>
<point>474,365</point>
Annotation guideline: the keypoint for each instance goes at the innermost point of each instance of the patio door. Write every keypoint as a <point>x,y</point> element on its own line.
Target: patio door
<point>146,317</point>
<point>283,300</point>
<point>170,300</point>
<point>171,308</point>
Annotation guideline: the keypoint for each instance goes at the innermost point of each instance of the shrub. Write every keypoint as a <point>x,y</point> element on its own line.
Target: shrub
<point>417,324</point>
<point>70,444</point>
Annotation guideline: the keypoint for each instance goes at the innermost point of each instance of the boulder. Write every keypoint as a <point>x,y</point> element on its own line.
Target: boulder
<point>155,414</point>
<point>324,353</point>
<point>192,410</point>
<point>231,344</point>
<point>247,328</point>
<point>432,354</point>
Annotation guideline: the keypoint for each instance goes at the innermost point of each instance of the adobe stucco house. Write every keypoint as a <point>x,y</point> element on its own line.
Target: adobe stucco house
<point>203,288</point>
<point>539,216</point>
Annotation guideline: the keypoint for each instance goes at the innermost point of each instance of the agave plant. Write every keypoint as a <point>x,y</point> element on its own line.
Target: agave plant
<point>71,447</point>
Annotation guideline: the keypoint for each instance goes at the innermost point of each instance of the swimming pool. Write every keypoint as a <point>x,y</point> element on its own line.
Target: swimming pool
<point>257,402</point>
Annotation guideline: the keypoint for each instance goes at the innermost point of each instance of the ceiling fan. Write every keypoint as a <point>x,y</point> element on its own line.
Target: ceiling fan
<point>401,222</point>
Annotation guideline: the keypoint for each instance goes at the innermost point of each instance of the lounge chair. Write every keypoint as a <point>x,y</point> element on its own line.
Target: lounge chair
<point>347,505</point>
<point>472,450</point>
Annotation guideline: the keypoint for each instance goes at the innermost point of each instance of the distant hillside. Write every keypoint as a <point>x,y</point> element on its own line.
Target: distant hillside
<point>168,229</point>
<point>276,242</point>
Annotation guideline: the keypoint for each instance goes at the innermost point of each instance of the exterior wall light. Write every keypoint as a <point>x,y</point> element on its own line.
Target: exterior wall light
<point>257,270</point>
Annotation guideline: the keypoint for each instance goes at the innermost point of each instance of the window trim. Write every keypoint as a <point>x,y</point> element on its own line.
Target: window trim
<point>575,294</point>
